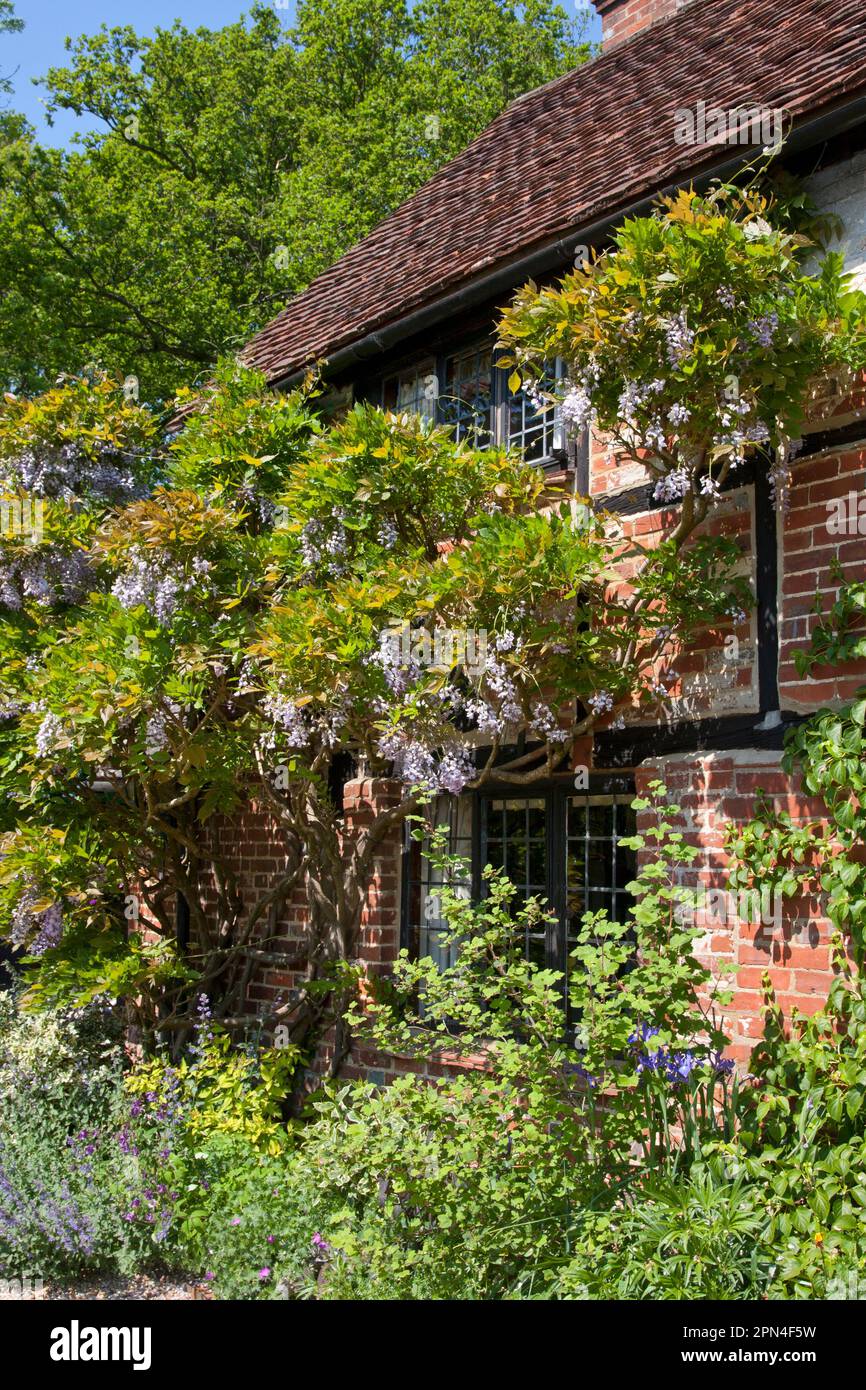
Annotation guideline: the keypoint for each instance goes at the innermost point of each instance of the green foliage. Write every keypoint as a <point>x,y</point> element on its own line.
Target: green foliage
<point>230,632</point>
<point>9,24</point>
<point>802,1136</point>
<point>239,441</point>
<point>693,337</point>
<point>64,1063</point>
<point>226,168</point>
<point>693,1239</point>
<point>60,1076</point>
<point>223,1090</point>
<point>446,1188</point>
<point>803,1124</point>
<point>390,527</point>
<point>839,636</point>
<point>649,1013</point>
<point>828,750</point>
<point>107,1167</point>
<point>461,1186</point>
<point>252,1232</point>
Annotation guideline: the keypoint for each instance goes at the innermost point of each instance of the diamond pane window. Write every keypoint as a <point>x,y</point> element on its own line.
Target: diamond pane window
<point>466,400</point>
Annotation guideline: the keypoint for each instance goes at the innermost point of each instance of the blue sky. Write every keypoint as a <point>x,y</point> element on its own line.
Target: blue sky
<point>41,45</point>
<point>48,22</point>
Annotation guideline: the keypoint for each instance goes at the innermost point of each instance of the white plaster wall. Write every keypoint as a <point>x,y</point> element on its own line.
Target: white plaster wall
<point>841,189</point>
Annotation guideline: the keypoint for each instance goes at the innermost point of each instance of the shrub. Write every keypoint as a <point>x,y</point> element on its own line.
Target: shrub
<point>103,1166</point>
<point>60,1079</point>
<point>219,1089</point>
<point>255,1232</point>
<point>698,1237</point>
<point>802,1137</point>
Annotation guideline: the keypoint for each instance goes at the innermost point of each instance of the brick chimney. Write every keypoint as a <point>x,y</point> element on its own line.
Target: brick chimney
<point>622,18</point>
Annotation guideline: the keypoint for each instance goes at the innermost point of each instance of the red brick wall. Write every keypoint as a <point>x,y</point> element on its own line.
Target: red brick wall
<point>380,920</point>
<point>253,846</point>
<point>791,939</point>
<point>622,18</point>
<point>715,676</point>
<point>810,543</point>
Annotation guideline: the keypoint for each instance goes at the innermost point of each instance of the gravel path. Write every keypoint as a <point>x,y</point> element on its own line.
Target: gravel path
<point>140,1287</point>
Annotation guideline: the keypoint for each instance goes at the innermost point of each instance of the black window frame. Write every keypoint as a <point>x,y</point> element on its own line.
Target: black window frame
<point>556,795</point>
<point>501,397</point>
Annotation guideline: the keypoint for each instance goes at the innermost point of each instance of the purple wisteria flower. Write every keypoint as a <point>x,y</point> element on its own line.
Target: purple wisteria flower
<point>70,472</point>
<point>448,769</point>
<point>148,582</point>
<point>576,409</point>
<point>601,702</point>
<point>679,338</point>
<point>764,328</point>
<point>673,486</point>
<point>38,931</point>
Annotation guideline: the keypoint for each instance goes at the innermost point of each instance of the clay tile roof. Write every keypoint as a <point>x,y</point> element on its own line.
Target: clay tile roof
<point>583,146</point>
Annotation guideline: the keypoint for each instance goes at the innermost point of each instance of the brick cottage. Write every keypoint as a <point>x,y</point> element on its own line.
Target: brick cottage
<point>407,319</point>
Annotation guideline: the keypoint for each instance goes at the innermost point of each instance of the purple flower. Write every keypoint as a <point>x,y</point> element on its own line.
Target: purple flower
<point>643,1033</point>
<point>764,328</point>
<point>722,1066</point>
<point>679,338</point>
<point>600,702</point>
<point>679,1067</point>
<point>264,1274</point>
<point>586,1076</point>
<point>673,486</point>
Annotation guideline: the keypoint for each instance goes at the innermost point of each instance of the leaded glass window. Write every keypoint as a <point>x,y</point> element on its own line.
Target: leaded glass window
<point>413,390</point>
<point>562,847</point>
<point>466,400</point>
<point>532,428</point>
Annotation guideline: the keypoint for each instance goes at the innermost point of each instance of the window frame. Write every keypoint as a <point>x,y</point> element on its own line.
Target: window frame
<point>556,795</point>
<point>501,397</point>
